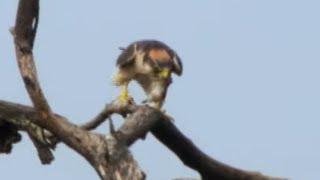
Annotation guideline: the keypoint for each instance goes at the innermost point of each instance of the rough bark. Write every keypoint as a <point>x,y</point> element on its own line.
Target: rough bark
<point>108,154</point>
<point>93,147</point>
<point>136,126</point>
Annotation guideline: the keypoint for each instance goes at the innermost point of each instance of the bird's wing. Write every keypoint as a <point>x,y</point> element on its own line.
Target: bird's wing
<point>156,53</point>
<point>162,56</point>
<point>127,56</point>
<point>177,65</point>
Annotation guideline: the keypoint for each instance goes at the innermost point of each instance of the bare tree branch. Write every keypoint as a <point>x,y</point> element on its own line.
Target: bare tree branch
<point>137,125</point>
<point>93,147</point>
<point>24,35</point>
<point>106,112</point>
<point>44,152</point>
<point>36,134</point>
<point>108,154</point>
<point>167,133</point>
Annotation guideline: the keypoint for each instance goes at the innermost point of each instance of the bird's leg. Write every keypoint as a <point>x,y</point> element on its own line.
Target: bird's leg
<point>124,94</point>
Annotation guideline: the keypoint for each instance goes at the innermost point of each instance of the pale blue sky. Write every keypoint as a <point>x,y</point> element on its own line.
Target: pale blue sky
<point>249,95</point>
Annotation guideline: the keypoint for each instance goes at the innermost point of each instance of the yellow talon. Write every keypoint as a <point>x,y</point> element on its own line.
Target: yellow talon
<point>124,96</point>
<point>165,73</point>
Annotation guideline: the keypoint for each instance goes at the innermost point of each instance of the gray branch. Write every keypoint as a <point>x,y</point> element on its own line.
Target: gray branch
<point>108,154</point>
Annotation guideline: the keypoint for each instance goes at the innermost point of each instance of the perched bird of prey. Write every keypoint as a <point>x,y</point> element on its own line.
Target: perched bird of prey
<point>151,64</point>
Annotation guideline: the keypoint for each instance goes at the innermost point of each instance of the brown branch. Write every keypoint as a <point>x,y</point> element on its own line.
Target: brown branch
<point>9,130</point>
<point>167,133</point>
<point>93,147</point>
<point>24,35</point>
<point>44,151</point>
<point>136,126</point>
<point>107,154</point>
<point>107,111</point>
<point>100,118</point>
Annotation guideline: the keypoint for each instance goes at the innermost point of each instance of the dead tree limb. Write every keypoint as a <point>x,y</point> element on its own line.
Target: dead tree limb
<point>137,125</point>
<point>108,154</point>
<point>93,147</point>
<point>167,133</point>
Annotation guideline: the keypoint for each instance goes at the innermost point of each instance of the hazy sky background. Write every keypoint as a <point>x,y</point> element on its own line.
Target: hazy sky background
<point>249,95</point>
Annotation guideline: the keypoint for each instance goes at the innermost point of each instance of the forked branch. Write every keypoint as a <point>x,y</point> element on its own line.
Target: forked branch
<point>93,147</point>
<point>108,154</point>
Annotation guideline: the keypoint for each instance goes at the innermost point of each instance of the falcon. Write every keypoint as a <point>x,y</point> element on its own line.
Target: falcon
<point>150,63</point>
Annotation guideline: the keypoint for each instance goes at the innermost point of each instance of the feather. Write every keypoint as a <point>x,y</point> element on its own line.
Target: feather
<point>127,56</point>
